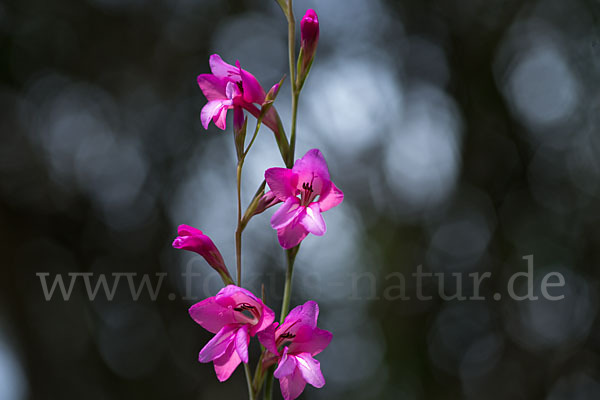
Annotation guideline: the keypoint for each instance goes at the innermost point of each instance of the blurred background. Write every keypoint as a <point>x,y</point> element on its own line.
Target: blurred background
<point>465,135</point>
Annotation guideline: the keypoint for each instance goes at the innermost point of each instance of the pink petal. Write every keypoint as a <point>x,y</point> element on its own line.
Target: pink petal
<point>241,343</point>
<point>211,315</point>
<point>220,119</point>
<point>282,182</point>
<point>312,169</point>
<point>291,235</point>
<point>311,341</point>
<point>188,230</point>
<point>265,321</point>
<point>267,338</point>
<point>210,110</point>
<point>221,69</point>
<point>305,314</point>
<point>312,162</point>
<point>287,213</point>
<point>235,291</point>
<point>332,198</point>
<point>212,86</point>
<point>217,346</point>
<point>253,91</point>
<point>310,370</point>
<point>292,385</point>
<point>232,90</point>
<point>286,366</point>
<point>226,364</point>
<point>313,221</point>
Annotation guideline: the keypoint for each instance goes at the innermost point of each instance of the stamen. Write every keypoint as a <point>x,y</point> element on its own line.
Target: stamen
<point>308,194</point>
<point>244,307</point>
<point>248,311</point>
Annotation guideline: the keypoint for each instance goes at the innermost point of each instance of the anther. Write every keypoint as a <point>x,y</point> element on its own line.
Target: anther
<point>244,307</point>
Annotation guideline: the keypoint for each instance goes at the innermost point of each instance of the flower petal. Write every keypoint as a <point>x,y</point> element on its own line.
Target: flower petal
<point>305,314</point>
<point>211,315</point>
<point>220,119</point>
<point>266,320</point>
<point>286,365</point>
<point>221,69</point>
<point>267,338</point>
<point>282,182</point>
<point>188,230</point>
<point>253,91</point>
<point>287,213</point>
<point>310,369</point>
<point>313,162</point>
<point>332,198</point>
<point>210,110</point>
<point>292,385</point>
<point>291,235</point>
<point>226,364</point>
<point>311,341</point>
<point>241,343</point>
<point>214,88</point>
<point>313,221</point>
<point>217,346</point>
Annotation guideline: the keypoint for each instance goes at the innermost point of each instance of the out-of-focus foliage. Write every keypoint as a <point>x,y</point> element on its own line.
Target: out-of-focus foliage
<point>464,134</point>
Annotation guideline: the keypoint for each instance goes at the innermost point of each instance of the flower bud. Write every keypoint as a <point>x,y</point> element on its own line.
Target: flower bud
<point>267,200</point>
<point>192,239</point>
<point>271,94</point>
<point>309,34</point>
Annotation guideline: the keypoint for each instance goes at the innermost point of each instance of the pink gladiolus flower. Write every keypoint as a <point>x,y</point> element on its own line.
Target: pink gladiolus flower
<point>231,87</point>
<point>234,314</point>
<point>193,239</point>
<point>306,191</point>
<point>292,346</point>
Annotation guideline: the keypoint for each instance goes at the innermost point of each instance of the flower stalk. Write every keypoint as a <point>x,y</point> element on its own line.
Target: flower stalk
<point>304,187</point>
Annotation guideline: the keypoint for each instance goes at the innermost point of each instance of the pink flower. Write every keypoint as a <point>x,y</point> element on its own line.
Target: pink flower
<point>306,191</point>
<point>234,314</point>
<point>193,239</point>
<point>231,87</point>
<point>292,346</point>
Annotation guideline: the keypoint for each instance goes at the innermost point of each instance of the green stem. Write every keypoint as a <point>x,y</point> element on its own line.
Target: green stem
<point>258,124</point>
<point>249,382</point>
<point>292,60</point>
<point>285,307</point>
<point>291,44</point>
<point>295,96</point>
<point>269,386</point>
<point>287,290</point>
<point>290,253</point>
<point>238,231</point>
